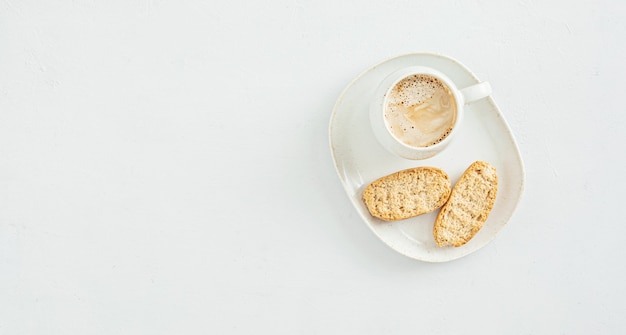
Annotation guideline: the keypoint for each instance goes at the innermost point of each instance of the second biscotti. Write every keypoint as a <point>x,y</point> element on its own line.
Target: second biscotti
<point>470,203</point>
<point>407,193</point>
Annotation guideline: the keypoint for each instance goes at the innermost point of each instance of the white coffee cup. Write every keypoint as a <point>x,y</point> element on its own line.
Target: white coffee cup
<point>379,121</point>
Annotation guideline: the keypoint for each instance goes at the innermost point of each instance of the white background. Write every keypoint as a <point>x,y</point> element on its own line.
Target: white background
<point>165,169</point>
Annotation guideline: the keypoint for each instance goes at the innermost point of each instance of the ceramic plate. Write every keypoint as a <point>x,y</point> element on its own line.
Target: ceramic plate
<point>484,135</point>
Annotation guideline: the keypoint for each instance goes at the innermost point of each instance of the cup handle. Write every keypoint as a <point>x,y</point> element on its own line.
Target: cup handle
<point>476,92</point>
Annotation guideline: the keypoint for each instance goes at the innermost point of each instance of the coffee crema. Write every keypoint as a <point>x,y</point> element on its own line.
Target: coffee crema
<point>420,110</point>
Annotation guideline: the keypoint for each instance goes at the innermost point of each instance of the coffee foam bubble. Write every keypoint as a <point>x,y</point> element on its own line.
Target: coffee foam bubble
<point>420,110</point>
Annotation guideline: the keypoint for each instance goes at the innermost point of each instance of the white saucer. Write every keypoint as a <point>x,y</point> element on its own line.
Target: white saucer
<point>484,135</point>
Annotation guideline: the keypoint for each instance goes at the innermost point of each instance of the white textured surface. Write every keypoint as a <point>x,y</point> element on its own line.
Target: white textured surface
<point>164,168</point>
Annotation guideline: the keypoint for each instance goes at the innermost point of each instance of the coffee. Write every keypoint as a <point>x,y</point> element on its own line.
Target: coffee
<point>420,110</point>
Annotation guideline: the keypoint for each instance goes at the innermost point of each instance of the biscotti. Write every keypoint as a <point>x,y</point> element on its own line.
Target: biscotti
<point>407,193</point>
<point>470,203</point>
